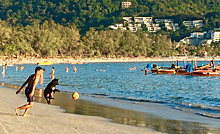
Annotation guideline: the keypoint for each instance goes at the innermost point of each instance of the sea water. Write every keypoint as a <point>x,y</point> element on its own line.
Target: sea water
<point>115,80</point>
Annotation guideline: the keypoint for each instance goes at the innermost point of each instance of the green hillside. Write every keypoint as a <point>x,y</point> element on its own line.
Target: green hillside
<point>101,13</point>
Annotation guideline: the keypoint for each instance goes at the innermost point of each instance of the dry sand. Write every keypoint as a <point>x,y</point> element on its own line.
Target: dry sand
<point>57,60</point>
<point>48,119</point>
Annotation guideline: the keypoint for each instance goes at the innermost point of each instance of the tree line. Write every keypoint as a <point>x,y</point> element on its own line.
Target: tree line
<point>52,39</point>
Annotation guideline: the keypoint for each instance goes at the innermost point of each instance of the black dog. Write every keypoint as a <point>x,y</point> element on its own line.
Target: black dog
<point>51,87</point>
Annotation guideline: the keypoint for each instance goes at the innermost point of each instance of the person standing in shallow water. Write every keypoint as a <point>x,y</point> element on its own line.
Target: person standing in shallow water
<point>67,70</point>
<point>3,71</point>
<point>42,77</point>
<point>74,69</point>
<point>29,91</point>
<point>52,73</point>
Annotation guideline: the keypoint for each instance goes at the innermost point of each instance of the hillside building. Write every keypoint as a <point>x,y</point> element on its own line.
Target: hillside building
<point>143,20</point>
<point>193,24</point>
<point>125,4</point>
<point>164,20</point>
<point>128,20</point>
<point>215,36</point>
<point>168,23</point>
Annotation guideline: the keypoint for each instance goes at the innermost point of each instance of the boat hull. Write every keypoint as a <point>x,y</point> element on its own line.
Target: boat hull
<point>163,71</point>
<point>214,74</point>
<point>182,72</point>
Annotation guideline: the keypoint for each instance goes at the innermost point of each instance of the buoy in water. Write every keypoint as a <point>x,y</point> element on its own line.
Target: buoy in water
<point>75,95</point>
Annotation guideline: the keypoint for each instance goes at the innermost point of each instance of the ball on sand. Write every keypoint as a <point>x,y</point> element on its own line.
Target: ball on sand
<point>75,95</point>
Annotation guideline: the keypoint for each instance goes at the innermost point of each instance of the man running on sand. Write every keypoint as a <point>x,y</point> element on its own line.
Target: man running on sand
<point>29,91</point>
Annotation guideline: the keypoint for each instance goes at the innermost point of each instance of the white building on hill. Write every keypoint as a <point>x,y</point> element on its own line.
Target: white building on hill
<point>215,36</point>
<point>125,4</point>
<point>194,23</point>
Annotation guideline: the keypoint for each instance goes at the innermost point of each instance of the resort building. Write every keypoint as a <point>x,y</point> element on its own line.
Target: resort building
<point>195,39</point>
<point>194,23</point>
<point>215,36</point>
<point>199,35</point>
<point>143,20</point>
<point>128,20</point>
<point>153,28</point>
<point>171,26</point>
<point>125,4</point>
<point>163,20</point>
<point>136,23</point>
<point>168,23</point>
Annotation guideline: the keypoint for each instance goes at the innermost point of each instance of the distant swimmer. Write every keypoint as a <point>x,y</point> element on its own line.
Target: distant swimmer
<point>42,77</point>
<point>16,68</point>
<point>52,73</point>
<point>133,68</point>
<point>21,68</point>
<point>74,69</point>
<point>146,71</point>
<point>67,69</point>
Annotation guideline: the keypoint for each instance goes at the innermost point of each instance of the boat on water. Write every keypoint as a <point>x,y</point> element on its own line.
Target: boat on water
<point>207,70</point>
<point>189,69</point>
<point>205,73</point>
<point>163,71</point>
<point>45,63</point>
<point>181,72</point>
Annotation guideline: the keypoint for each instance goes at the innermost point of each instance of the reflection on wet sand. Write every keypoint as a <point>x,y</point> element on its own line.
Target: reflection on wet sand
<point>123,116</point>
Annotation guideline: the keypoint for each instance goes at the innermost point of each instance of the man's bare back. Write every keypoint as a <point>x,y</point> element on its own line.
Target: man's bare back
<point>31,80</point>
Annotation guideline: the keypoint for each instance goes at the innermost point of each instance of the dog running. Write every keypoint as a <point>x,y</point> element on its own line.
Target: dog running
<point>51,87</point>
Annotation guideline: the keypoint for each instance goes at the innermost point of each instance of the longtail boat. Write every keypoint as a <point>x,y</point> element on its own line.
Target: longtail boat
<point>205,73</point>
<point>163,71</point>
<point>181,72</point>
<point>207,70</point>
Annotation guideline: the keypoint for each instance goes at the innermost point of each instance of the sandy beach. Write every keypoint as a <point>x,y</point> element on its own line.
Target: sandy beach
<point>72,60</point>
<point>51,119</point>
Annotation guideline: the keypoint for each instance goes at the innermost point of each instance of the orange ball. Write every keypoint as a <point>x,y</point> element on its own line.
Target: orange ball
<point>75,96</point>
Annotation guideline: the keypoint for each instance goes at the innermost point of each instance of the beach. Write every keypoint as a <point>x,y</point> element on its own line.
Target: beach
<point>51,119</point>
<point>85,116</point>
<point>72,60</point>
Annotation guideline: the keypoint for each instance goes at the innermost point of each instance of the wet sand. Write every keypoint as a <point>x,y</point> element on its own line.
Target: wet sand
<point>142,116</point>
<point>51,119</point>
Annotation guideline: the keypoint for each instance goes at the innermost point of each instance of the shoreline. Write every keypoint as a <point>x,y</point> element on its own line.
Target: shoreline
<point>73,61</point>
<point>146,115</point>
<point>42,121</point>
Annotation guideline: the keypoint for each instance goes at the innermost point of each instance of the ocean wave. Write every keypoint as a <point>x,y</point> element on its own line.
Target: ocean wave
<point>200,106</point>
<point>209,115</point>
